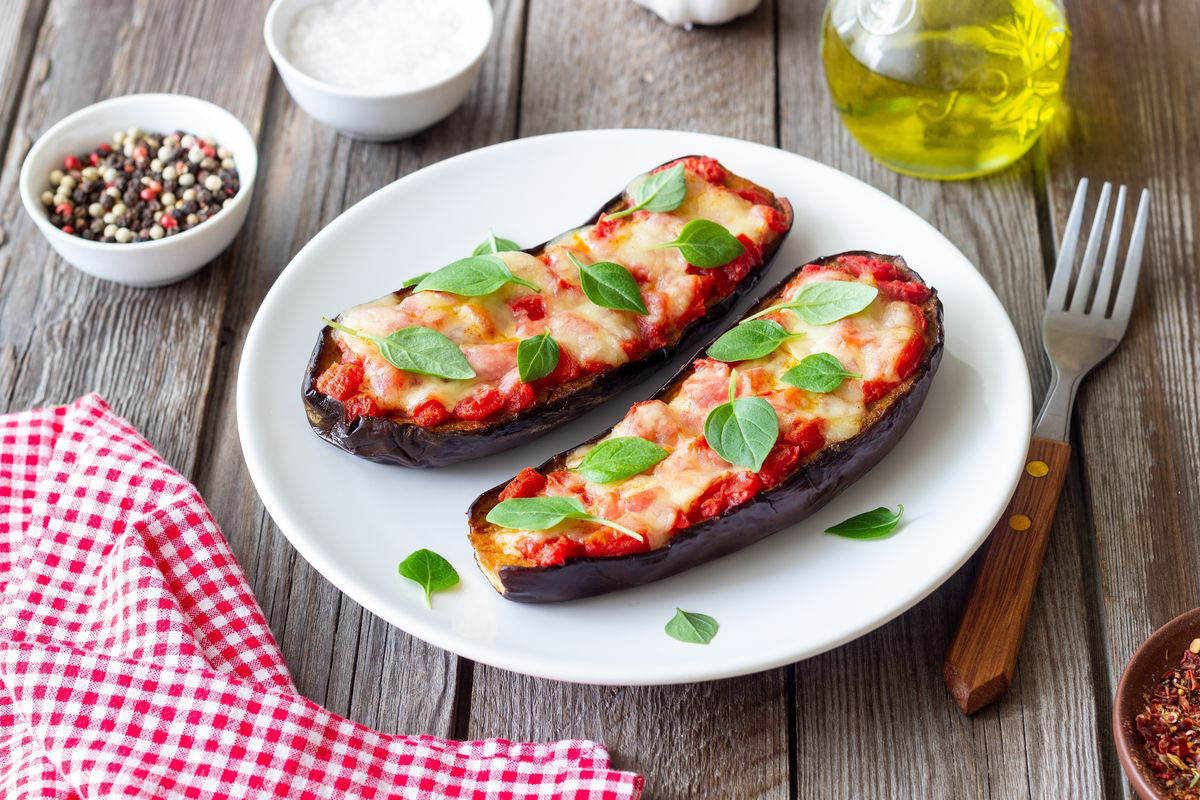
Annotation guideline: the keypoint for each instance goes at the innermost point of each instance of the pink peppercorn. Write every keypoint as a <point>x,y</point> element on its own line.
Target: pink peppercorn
<point>64,209</point>
<point>67,229</point>
<point>147,193</point>
<point>71,162</point>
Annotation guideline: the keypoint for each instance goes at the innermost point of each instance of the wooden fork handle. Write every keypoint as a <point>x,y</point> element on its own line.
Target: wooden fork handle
<point>983,656</point>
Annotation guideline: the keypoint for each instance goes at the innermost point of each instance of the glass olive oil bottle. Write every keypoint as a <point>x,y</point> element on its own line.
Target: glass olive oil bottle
<point>945,88</point>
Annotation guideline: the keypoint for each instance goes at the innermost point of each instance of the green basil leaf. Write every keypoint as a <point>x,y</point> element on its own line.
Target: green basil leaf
<point>415,279</point>
<point>619,458</point>
<point>742,431</point>
<point>706,244</point>
<point>429,571</point>
<point>656,191</point>
<point>535,513</point>
<point>691,627</point>
<point>495,244</point>
<point>874,524</point>
<point>610,285</point>
<point>540,513</point>
<point>417,349</point>
<point>473,276</point>
<point>753,339</point>
<point>537,357</point>
<point>820,372</point>
<point>826,302</point>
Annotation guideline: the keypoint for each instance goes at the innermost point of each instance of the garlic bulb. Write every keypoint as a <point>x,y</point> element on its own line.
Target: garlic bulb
<point>700,12</point>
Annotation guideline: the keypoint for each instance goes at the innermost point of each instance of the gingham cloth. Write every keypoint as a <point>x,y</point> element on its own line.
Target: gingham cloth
<point>135,662</point>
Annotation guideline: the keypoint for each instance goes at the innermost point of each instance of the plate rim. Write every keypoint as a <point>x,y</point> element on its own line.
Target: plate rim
<point>427,628</point>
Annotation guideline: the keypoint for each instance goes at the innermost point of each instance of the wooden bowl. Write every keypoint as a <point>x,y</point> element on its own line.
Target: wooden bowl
<point>1160,653</point>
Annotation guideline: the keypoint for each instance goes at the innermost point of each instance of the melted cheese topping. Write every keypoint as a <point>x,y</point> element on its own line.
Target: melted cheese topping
<point>487,329</point>
<point>870,343</point>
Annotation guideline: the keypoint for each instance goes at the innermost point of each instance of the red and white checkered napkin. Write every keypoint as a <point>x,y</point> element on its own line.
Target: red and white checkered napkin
<point>135,662</point>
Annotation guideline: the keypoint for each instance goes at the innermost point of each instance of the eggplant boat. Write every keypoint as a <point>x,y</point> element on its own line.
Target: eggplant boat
<point>783,411</point>
<point>506,344</point>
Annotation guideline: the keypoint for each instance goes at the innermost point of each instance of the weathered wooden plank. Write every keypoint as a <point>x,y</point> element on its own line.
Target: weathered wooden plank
<point>340,656</point>
<point>18,30</point>
<point>727,738</point>
<point>1133,98</point>
<point>873,718</point>
<point>63,333</point>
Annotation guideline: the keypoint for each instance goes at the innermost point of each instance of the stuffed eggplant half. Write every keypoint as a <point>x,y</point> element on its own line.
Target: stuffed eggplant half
<point>782,412</point>
<point>505,344</point>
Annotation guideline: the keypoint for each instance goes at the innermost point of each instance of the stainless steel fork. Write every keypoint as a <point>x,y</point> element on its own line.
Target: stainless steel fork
<point>1078,333</point>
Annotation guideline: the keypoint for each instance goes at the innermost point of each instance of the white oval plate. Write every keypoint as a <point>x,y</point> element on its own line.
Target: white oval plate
<point>794,595</point>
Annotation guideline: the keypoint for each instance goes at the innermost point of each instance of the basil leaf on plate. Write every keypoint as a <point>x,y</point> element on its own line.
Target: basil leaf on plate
<point>874,524</point>
<point>609,285</point>
<point>619,458</point>
<point>656,191</point>
<point>753,339</point>
<point>473,276</point>
<point>742,431</point>
<point>826,302</point>
<point>537,357</point>
<point>691,627</point>
<point>429,571</point>
<point>820,372</point>
<point>706,244</point>
<point>417,349</point>
<point>540,513</point>
<point>495,244</point>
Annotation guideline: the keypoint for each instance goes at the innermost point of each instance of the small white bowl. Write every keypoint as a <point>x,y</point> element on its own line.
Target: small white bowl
<point>156,262</point>
<point>373,116</point>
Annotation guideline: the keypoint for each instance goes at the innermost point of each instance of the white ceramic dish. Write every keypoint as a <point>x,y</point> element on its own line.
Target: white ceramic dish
<point>793,595</point>
<point>152,263</point>
<point>372,116</point>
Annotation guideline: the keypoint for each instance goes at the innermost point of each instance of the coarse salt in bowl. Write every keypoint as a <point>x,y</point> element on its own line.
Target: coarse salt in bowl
<point>378,69</point>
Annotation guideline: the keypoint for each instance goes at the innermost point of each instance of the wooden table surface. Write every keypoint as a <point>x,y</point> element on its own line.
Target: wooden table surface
<point>867,720</point>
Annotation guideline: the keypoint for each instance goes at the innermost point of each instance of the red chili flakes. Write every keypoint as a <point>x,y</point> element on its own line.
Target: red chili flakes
<point>1170,728</point>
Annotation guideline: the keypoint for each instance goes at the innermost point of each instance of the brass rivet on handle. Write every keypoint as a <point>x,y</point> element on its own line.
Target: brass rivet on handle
<point>1037,469</point>
<point>1019,522</point>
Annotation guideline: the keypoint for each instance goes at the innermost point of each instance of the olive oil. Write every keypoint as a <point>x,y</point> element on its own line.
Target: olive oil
<point>945,88</point>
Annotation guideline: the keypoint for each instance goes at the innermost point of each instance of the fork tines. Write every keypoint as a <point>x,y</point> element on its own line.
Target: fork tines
<point>1057,300</point>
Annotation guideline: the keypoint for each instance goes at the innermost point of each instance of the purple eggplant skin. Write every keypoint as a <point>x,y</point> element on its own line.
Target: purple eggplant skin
<point>805,491</point>
<point>387,441</point>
